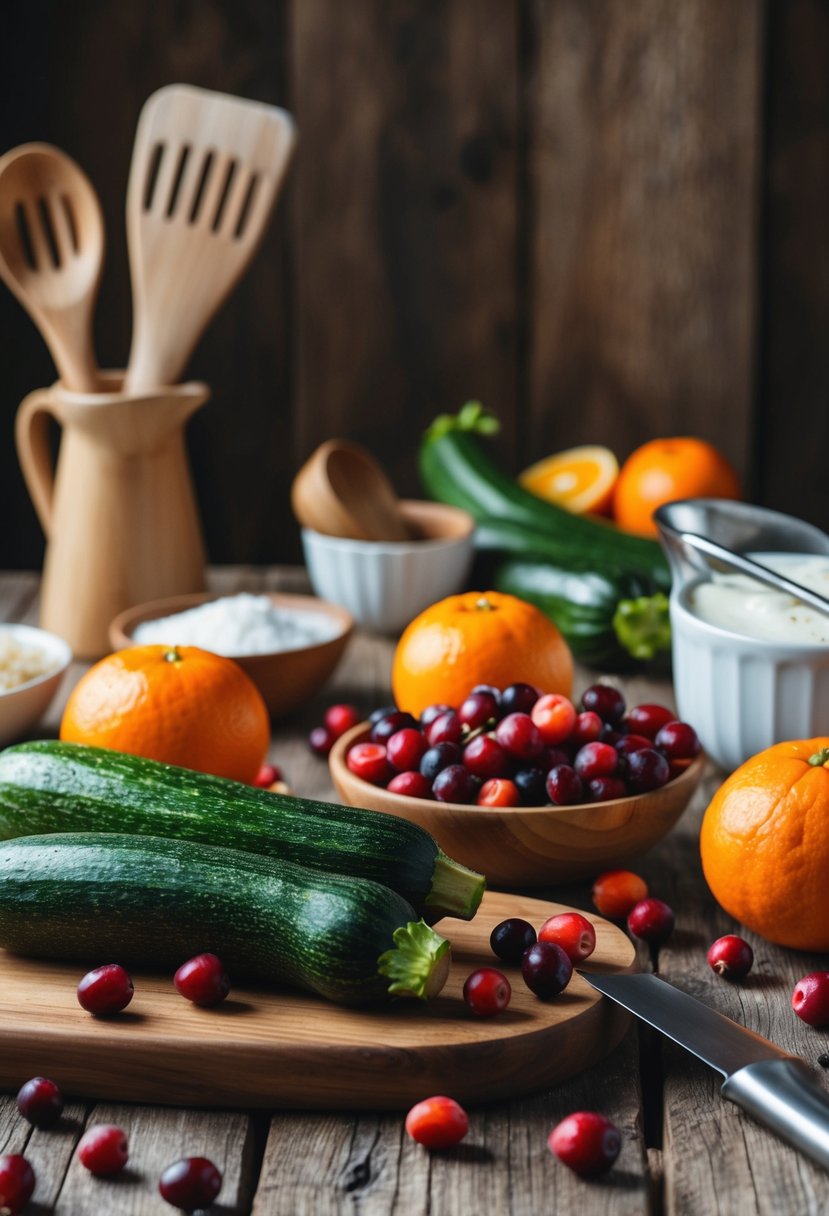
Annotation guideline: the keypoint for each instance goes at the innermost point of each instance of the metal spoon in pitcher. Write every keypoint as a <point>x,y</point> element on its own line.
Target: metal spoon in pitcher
<point>52,251</point>
<point>746,565</point>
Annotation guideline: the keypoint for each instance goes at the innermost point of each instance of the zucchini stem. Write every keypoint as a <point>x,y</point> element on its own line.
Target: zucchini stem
<point>643,625</point>
<point>418,962</point>
<point>470,417</point>
<point>455,891</point>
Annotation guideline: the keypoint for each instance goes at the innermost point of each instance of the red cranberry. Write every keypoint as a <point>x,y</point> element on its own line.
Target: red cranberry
<point>202,980</point>
<point>573,932</point>
<point>617,891</point>
<point>189,1184</point>
<point>382,712</point>
<point>646,770</point>
<point>731,957</point>
<point>439,757</point>
<point>587,729</point>
<point>564,786</point>
<point>546,969</point>
<point>596,760</point>
<point>454,784</point>
<point>444,729</point>
<point>587,1142</point>
<point>810,999</point>
<point>368,761</point>
<point>498,791</point>
<point>405,749</point>
<point>652,920</point>
<point>519,736</point>
<point>604,700</point>
<point>267,775</point>
<point>106,989</point>
<point>431,712</point>
<point>647,719</point>
<point>340,718</point>
<point>494,692</point>
<point>320,740</point>
<point>413,785</point>
<point>678,741</point>
<point>626,744</point>
<point>485,757</point>
<point>40,1101</point>
<point>555,717</point>
<point>17,1181</point>
<point>103,1149</point>
<point>479,709</point>
<point>511,938</point>
<point>487,991</point>
<point>518,699</point>
<point>385,727</point>
<point>605,789</point>
<point>437,1122</point>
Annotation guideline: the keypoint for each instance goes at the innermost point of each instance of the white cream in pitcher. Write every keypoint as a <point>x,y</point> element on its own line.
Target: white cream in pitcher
<point>740,604</point>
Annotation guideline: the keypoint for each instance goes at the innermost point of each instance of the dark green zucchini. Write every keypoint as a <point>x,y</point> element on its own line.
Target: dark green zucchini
<point>147,901</point>
<point>48,786</point>
<point>455,468</point>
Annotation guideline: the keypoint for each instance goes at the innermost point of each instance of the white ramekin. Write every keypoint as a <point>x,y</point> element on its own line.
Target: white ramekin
<point>744,694</point>
<point>385,584</point>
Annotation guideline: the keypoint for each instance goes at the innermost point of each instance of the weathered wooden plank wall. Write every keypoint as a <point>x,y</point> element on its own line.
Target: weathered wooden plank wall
<point>606,220</point>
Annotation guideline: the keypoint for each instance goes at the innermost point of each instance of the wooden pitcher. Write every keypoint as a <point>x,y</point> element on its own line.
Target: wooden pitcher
<point>119,511</point>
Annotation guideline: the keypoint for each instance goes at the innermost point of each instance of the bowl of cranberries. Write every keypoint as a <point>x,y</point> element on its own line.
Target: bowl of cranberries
<point>528,788</point>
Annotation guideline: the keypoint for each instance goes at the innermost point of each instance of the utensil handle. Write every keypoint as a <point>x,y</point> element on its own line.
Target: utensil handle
<point>33,450</point>
<point>785,1096</point>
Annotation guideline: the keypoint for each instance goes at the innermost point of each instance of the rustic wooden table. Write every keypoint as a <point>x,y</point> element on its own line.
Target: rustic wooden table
<point>685,1149</point>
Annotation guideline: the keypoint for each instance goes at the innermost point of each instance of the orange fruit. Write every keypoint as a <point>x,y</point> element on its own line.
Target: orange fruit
<point>479,637</point>
<point>765,848</point>
<point>178,704</point>
<point>663,470</point>
<point>580,479</point>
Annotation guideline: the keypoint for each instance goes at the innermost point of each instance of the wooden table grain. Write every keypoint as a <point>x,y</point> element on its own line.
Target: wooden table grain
<point>685,1151</point>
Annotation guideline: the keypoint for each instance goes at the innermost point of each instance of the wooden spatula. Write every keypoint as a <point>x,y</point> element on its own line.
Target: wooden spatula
<point>206,171</point>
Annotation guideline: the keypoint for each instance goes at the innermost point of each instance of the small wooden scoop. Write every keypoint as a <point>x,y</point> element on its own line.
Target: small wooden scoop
<point>51,253</point>
<point>342,491</point>
<point>206,171</point>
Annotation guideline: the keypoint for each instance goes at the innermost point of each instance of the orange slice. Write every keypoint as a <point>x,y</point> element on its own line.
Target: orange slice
<point>580,479</point>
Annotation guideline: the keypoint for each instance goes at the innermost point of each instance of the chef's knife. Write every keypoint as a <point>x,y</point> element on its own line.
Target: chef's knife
<point>774,1087</point>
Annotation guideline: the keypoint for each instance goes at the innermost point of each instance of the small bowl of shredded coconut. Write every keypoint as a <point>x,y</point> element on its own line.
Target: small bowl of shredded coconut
<point>32,665</point>
<point>288,644</point>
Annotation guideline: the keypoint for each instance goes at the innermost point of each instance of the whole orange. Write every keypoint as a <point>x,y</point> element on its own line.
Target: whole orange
<point>479,637</point>
<point>179,704</point>
<point>765,847</point>
<point>665,469</point>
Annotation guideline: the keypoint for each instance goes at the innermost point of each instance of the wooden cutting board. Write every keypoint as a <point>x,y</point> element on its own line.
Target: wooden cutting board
<point>268,1048</point>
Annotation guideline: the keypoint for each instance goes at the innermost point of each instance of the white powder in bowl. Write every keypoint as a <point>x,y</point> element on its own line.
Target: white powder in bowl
<point>239,625</point>
<point>20,663</point>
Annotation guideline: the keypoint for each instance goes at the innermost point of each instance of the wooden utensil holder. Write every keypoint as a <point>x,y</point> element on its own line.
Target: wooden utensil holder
<point>118,509</point>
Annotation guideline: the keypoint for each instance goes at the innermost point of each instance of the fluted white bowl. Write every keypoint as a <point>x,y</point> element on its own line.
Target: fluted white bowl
<point>744,694</point>
<point>385,584</point>
<point>22,707</point>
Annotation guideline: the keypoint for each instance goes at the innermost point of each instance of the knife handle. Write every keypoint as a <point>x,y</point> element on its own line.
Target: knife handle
<point>785,1096</point>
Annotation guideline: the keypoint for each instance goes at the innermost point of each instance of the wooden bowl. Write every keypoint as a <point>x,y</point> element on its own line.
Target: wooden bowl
<point>286,679</point>
<point>520,847</point>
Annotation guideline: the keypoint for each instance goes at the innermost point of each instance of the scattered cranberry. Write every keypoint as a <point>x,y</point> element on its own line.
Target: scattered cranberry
<point>587,729</point>
<point>340,718</point>
<point>190,1184</point>
<point>646,770</point>
<point>431,712</point>
<point>731,957</point>
<point>17,1181</point>
<point>555,717</point>
<point>519,736</point>
<point>268,774</point>
<point>413,785</point>
<point>444,729</point>
<point>103,1149</point>
<point>479,709</point>
<point>651,920</point>
<point>647,719</point>
<point>405,749</point>
<point>564,786</point>
<point>596,760</point>
<point>518,699</point>
<point>498,791</point>
<point>587,1142</point>
<point>573,932</point>
<point>546,969</point>
<point>485,757</point>
<point>386,726</point>
<point>454,784</point>
<point>437,1122</point>
<point>40,1101</point>
<point>106,989</point>
<point>810,999</point>
<point>604,700</point>
<point>604,789</point>
<point>616,892</point>
<point>487,991</point>
<point>678,741</point>
<point>202,980</point>
<point>439,757</point>
<point>369,761</point>
<point>511,939</point>
<point>320,740</point>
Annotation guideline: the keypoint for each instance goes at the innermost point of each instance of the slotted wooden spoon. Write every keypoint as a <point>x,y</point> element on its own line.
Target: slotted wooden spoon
<point>206,171</point>
<point>52,251</point>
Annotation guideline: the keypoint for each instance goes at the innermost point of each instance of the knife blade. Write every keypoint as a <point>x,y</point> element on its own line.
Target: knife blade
<point>773,1086</point>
